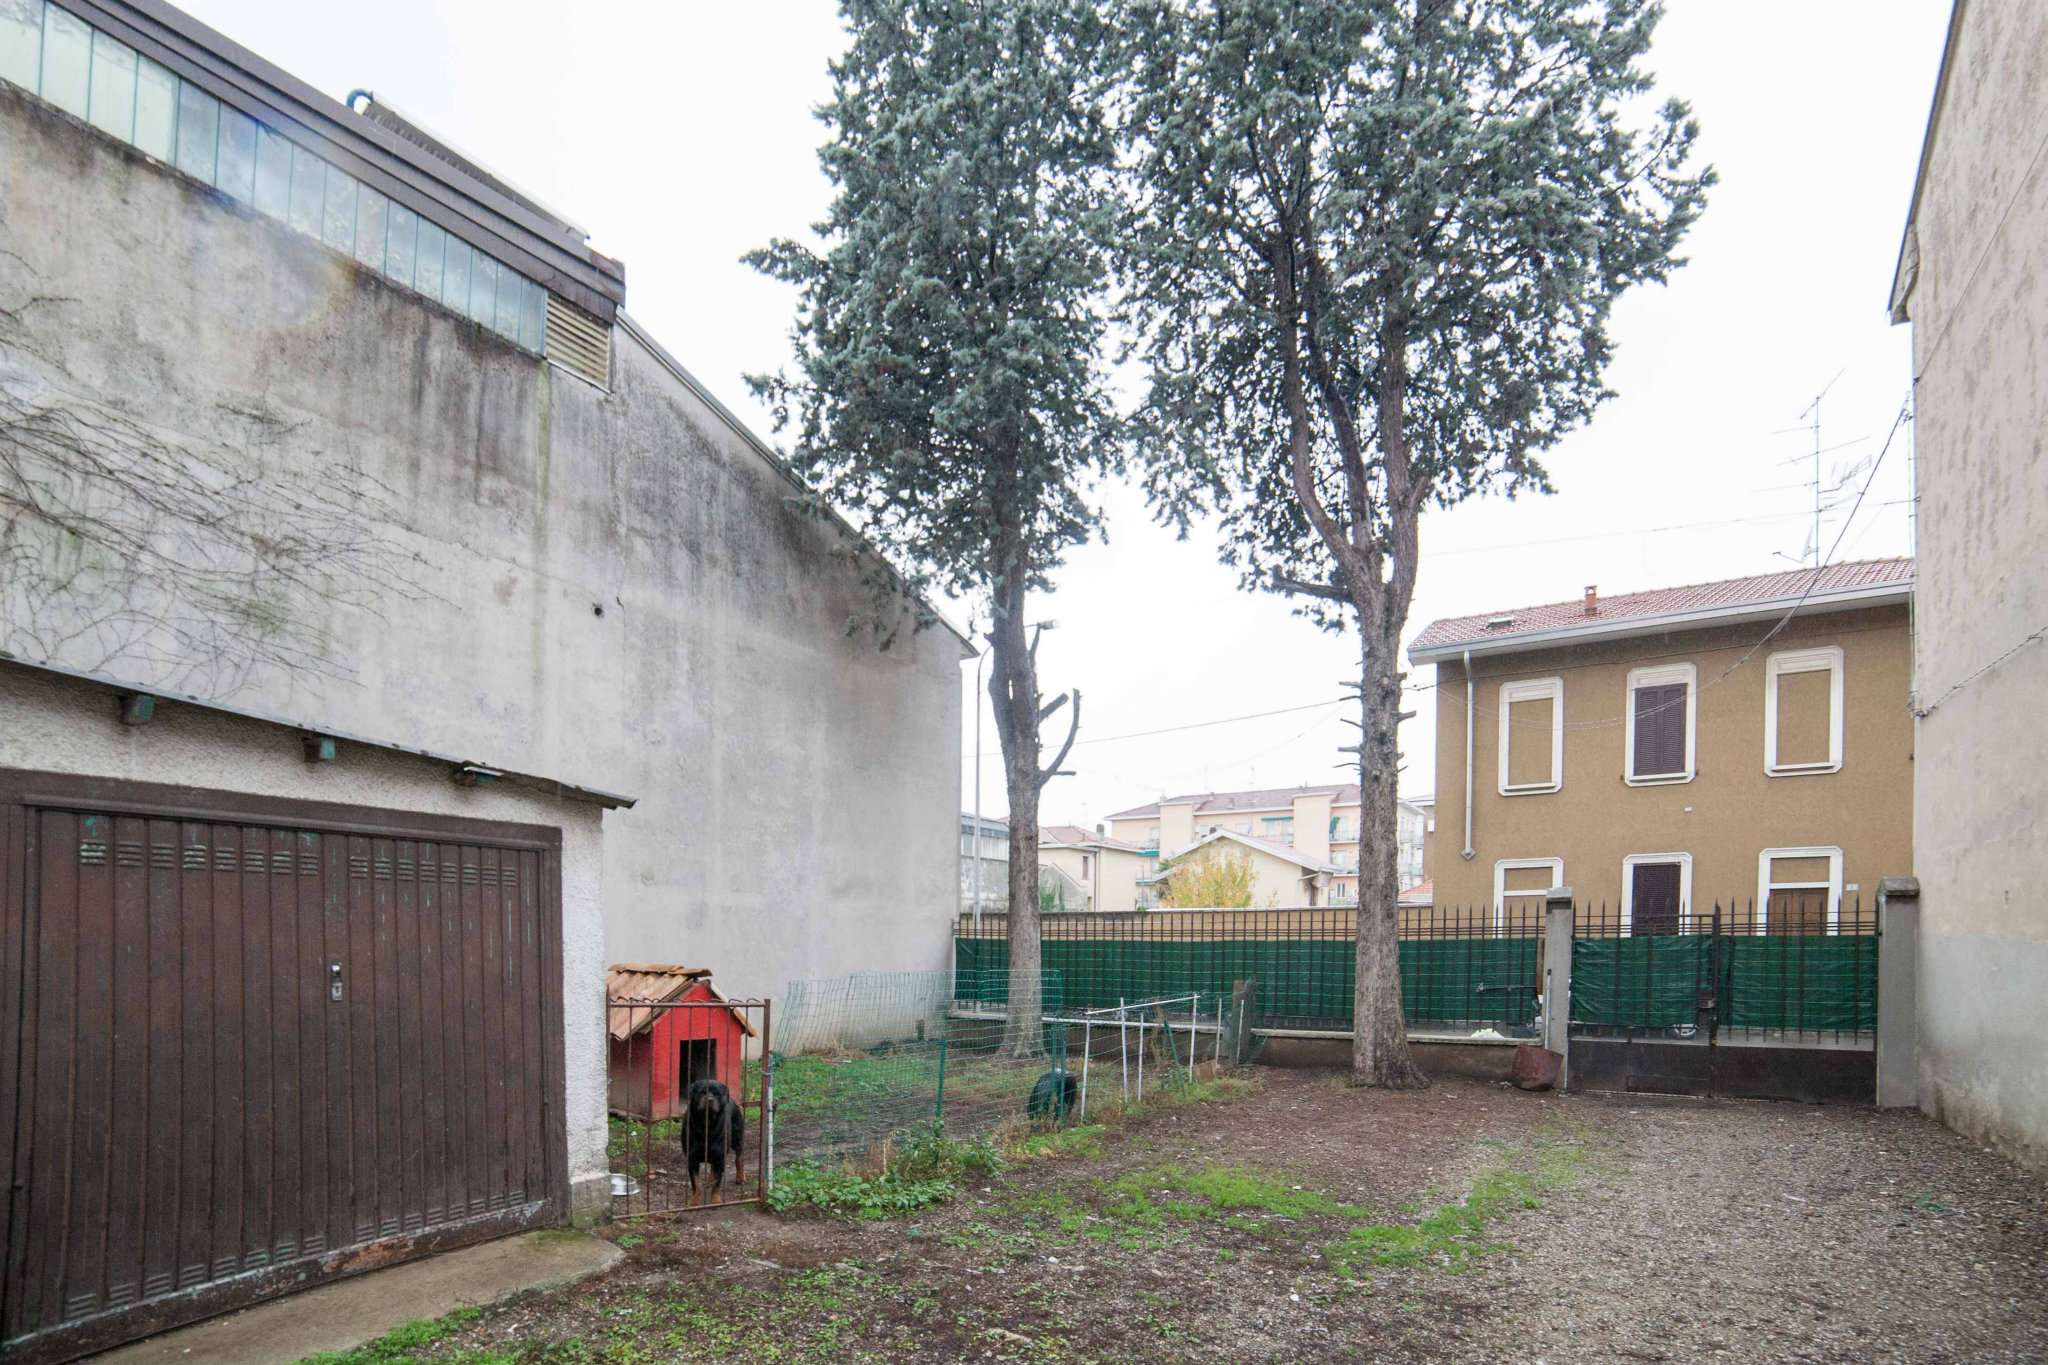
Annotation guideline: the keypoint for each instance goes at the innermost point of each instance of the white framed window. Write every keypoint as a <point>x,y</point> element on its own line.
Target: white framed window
<point>1524,881</point>
<point>1799,889</point>
<point>1531,736</point>
<point>1803,712</point>
<point>1659,886</point>
<point>1662,722</point>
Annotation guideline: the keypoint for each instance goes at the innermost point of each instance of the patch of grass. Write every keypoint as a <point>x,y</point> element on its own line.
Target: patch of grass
<point>807,1185</point>
<point>927,1171</point>
<point>929,1153</point>
<point>1083,1141</point>
<point>1927,1203</point>
<point>1456,1234</point>
<point>400,1344</point>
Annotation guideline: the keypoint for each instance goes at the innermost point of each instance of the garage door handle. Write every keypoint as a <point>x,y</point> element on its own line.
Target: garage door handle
<point>334,981</point>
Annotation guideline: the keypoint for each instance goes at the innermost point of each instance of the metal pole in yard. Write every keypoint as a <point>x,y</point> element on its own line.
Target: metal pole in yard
<point>1087,1033</point>
<point>767,1101</point>
<point>939,1102</point>
<point>1194,1017</point>
<point>1141,1061</point>
<point>1123,1045</point>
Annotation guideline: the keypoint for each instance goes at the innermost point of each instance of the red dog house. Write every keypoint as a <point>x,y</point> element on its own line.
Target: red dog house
<point>667,1027</point>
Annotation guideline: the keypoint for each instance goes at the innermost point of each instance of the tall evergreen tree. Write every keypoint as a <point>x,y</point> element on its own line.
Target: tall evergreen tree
<point>1374,246</point>
<point>950,339</point>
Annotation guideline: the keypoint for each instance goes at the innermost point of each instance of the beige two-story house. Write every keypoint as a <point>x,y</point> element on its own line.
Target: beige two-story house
<point>1313,828</point>
<point>1743,743</point>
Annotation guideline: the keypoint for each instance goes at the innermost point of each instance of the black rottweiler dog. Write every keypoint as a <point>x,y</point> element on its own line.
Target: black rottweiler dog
<point>713,1128</point>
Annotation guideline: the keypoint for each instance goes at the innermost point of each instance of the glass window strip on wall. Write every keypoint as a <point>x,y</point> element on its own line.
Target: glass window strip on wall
<point>53,53</point>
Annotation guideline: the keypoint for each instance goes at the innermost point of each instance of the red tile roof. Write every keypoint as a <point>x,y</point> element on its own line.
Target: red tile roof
<point>1619,607</point>
<point>1264,798</point>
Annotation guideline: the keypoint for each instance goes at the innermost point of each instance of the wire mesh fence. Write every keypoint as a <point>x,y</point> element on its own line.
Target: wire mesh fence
<point>1789,969</point>
<point>1463,970</point>
<point>862,1060</point>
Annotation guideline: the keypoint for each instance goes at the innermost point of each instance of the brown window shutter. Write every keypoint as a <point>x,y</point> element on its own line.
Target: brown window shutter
<point>1653,899</point>
<point>1660,730</point>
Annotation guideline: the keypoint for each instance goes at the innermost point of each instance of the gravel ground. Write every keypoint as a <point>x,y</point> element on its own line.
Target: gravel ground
<point>1741,1231</point>
<point>1648,1230</point>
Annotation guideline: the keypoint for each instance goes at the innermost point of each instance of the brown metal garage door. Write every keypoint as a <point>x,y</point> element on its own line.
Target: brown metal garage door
<point>246,1045</point>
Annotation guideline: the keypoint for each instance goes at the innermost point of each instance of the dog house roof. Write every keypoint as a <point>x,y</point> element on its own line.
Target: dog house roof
<point>628,984</point>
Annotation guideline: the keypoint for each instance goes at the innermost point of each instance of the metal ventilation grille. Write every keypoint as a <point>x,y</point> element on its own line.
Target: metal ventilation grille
<point>579,343</point>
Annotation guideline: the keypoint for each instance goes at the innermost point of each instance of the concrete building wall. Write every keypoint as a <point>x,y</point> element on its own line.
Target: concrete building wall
<point>1978,244</point>
<point>1116,880</point>
<point>1729,812</point>
<point>607,587</point>
<point>50,724</point>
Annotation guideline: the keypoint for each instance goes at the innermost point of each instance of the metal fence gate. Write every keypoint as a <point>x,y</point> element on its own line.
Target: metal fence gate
<point>250,1044</point>
<point>659,1049</point>
<point>1727,1001</point>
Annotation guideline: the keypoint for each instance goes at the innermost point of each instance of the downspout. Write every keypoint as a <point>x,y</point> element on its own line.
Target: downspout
<point>1466,854</point>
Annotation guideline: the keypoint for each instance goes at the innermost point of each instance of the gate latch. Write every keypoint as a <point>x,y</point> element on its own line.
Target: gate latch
<point>334,981</point>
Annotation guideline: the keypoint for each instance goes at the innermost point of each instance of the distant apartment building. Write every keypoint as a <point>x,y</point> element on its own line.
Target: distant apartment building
<point>1088,870</point>
<point>1311,830</point>
<point>1743,742</point>
<point>1973,280</point>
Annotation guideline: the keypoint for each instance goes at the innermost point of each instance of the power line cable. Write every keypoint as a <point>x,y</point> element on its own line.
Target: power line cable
<point>1968,678</point>
<point>1812,582</point>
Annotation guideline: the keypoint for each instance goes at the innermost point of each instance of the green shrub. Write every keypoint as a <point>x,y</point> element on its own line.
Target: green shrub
<point>806,1185</point>
<point>926,1170</point>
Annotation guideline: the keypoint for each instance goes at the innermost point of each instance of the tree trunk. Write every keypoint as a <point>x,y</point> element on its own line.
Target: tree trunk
<point>1379,1039</point>
<point>1013,690</point>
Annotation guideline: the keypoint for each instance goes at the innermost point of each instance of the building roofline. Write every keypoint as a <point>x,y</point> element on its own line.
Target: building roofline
<point>548,786</point>
<point>488,216</point>
<point>1257,846</point>
<point>1696,618</point>
<point>632,327</point>
<point>1905,267</point>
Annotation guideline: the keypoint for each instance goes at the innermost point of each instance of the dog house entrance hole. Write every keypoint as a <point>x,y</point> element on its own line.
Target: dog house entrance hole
<point>698,1062</point>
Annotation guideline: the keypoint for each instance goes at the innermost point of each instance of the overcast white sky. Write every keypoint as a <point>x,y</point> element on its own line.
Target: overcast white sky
<point>681,135</point>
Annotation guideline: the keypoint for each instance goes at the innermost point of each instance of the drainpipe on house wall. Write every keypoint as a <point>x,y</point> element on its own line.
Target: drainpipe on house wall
<point>1466,854</point>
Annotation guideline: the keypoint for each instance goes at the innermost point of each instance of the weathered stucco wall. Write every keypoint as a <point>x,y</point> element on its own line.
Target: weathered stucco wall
<point>609,588</point>
<point>1980,341</point>
<point>57,725</point>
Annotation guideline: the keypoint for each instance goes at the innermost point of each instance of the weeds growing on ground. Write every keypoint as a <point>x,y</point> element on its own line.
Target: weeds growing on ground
<point>400,1344</point>
<point>928,1167</point>
<point>1456,1234</point>
<point>926,1171</point>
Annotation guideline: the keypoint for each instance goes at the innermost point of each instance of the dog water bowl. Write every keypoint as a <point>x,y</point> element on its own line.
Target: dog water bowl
<point>624,1186</point>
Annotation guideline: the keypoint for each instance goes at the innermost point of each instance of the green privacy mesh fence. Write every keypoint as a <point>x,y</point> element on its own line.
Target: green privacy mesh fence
<point>1800,983</point>
<point>862,1059</point>
<point>1461,971</point>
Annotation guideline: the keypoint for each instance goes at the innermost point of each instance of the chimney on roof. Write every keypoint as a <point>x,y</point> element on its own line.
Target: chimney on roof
<point>1592,599</point>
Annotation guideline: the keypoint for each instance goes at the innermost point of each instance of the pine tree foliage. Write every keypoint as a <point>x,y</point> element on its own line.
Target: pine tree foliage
<point>951,396</point>
<point>1374,248</point>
